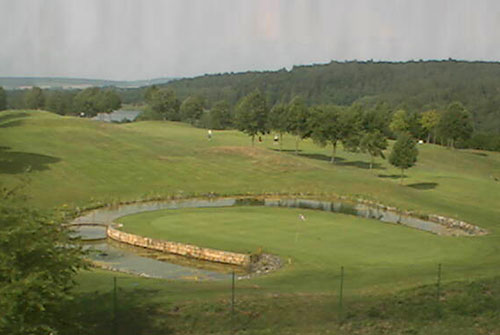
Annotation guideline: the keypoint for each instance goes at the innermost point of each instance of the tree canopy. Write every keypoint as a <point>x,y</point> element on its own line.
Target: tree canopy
<point>455,124</point>
<point>3,99</point>
<point>37,267</point>
<point>34,98</point>
<point>251,115</point>
<point>404,153</point>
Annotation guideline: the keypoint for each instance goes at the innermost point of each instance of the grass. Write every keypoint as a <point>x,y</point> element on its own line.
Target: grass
<point>377,256</point>
<point>75,162</point>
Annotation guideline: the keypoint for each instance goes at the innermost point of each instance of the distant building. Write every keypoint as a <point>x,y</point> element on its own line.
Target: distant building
<point>118,116</point>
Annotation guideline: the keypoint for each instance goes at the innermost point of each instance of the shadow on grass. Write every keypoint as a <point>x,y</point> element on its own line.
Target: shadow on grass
<point>322,157</point>
<point>13,162</point>
<point>14,115</point>
<point>14,123</point>
<point>287,150</point>
<point>338,160</point>
<point>136,314</point>
<point>423,186</point>
<point>362,165</point>
<point>391,176</point>
<point>482,154</point>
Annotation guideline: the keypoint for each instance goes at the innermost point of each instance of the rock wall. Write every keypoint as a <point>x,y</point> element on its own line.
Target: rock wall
<point>177,248</point>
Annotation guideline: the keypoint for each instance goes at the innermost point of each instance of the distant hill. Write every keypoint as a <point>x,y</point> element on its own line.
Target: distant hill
<point>414,86</point>
<point>10,83</point>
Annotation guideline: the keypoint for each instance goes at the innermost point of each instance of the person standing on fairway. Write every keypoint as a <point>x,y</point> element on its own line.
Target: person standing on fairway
<point>209,134</point>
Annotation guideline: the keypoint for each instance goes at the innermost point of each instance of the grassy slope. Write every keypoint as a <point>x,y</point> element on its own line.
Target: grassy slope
<point>79,162</point>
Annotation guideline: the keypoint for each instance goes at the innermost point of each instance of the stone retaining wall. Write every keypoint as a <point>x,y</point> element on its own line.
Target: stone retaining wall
<point>177,248</point>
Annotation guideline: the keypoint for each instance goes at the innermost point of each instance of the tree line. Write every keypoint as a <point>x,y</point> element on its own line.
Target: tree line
<point>357,127</point>
<point>452,126</point>
<point>87,102</point>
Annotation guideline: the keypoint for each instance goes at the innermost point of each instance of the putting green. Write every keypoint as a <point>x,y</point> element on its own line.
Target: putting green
<point>375,253</point>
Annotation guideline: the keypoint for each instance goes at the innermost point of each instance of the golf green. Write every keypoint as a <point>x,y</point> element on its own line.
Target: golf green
<point>315,244</point>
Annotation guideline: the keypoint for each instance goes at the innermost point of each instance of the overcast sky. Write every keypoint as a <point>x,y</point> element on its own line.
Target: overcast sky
<point>138,39</point>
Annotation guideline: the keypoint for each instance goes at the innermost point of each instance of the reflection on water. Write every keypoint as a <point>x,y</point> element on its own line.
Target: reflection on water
<point>88,232</point>
<point>119,257</point>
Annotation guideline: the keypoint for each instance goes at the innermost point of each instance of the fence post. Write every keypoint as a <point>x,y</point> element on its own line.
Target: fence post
<point>232,303</point>
<point>115,317</point>
<point>341,290</point>
<point>438,285</point>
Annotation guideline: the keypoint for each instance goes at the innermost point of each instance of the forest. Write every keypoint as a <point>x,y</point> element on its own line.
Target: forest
<point>415,87</point>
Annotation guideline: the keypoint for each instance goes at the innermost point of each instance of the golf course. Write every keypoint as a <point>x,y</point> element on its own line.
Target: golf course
<point>63,163</point>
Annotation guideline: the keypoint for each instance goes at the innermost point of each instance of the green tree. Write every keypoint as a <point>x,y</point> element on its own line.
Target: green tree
<point>374,143</point>
<point>429,121</point>
<point>191,109</point>
<point>455,124</point>
<point>298,120</point>
<point>351,121</point>
<point>3,99</point>
<point>251,115</point>
<point>148,93</point>
<point>164,102</point>
<point>86,102</point>
<point>326,127</point>
<point>414,126</point>
<point>399,122</point>
<point>59,102</point>
<point>107,101</point>
<point>37,268</point>
<point>377,118</point>
<point>404,153</point>
<point>277,121</point>
<point>34,98</point>
<point>220,116</point>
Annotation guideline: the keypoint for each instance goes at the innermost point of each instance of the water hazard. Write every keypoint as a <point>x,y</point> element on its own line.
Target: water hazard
<point>119,257</point>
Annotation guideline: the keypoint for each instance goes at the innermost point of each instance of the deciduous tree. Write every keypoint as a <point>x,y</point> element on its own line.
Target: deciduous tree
<point>164,102</point>
<point>37,266</point>
<point>220,116</point>
<point>399,122</point>
<point>455,124</point>
<point>34,98</point>
<point>3,99</point>
<point>191,109</point>
<point>429,121</point>
<point>298,120</point>
<point>251,115</point>
<point>277,121</point>
<point>326,126</point>
<point>404,153</point>
<point>374,143</point>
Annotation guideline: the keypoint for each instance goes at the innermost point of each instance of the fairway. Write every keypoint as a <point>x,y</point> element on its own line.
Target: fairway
<point>317,246</point>
<point>74,164</point>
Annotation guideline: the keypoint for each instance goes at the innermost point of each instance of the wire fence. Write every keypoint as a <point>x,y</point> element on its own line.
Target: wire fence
<point>339,296</point>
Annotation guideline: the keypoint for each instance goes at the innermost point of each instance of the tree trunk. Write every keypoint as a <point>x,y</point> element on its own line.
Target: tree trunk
<point>429,137</point>
<point>334,152</point>
<point>371,162</point>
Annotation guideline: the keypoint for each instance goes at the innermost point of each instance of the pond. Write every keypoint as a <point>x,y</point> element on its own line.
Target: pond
<point>120,257</point>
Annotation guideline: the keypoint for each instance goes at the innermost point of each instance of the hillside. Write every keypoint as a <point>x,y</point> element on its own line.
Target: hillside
<point>414,86</point>
<point>10,83</point>
<point>71,162</point>
<point>111,162</point>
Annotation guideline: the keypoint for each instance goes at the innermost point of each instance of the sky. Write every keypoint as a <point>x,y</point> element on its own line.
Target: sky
<point>144,39</point>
